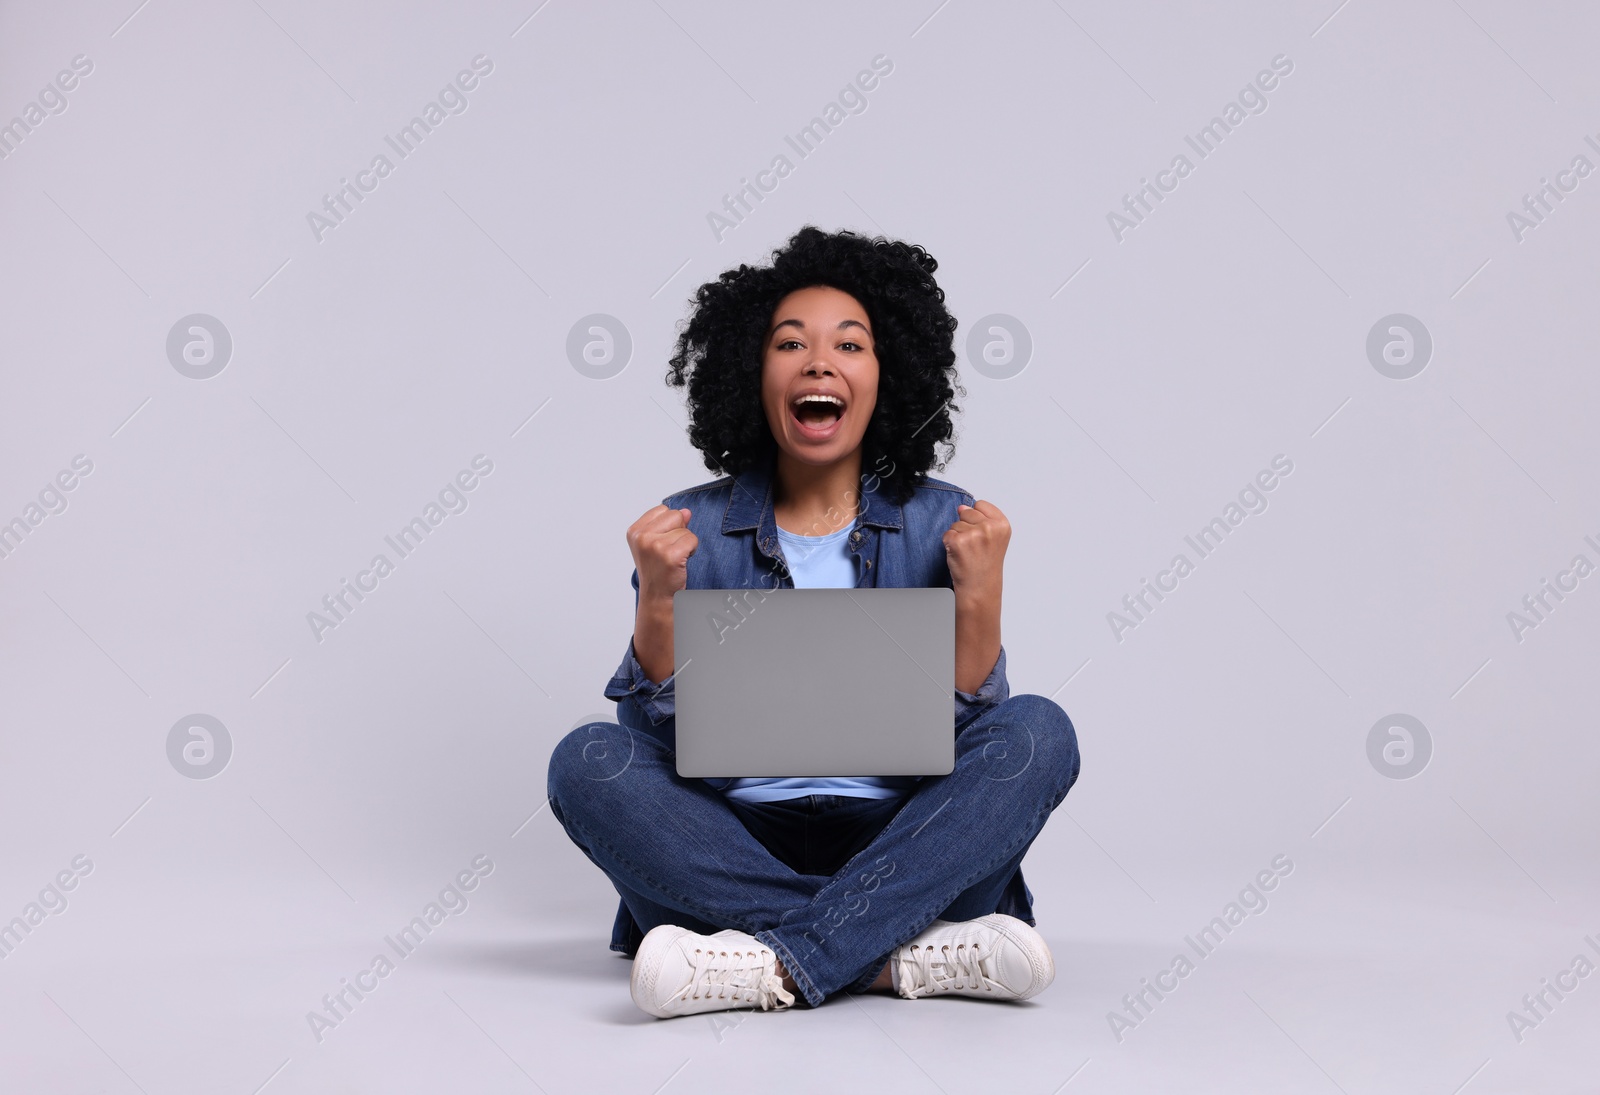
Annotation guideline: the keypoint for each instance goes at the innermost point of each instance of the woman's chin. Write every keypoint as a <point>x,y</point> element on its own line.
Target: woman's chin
<point>820,453</point>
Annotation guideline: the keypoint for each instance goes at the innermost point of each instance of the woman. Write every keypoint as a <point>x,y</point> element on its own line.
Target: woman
<point>820,386</point>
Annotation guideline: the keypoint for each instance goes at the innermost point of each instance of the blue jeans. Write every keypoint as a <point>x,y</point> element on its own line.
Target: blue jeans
<point>817,834</point>
<point>678,852</point>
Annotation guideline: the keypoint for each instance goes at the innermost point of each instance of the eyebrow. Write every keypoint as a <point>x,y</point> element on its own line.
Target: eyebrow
<point>843,324</point>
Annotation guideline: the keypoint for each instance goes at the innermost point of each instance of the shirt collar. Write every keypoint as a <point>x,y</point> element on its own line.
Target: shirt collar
<point>750,504</point>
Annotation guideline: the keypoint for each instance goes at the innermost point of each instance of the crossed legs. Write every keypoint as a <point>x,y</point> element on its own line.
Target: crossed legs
<point>679,854</point>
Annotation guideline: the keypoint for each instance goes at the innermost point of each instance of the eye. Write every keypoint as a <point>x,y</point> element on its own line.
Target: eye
<point>789,344</point>
<point>849,345</point>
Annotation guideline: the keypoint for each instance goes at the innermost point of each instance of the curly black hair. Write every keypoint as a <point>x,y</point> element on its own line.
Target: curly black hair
<point>720,348</point>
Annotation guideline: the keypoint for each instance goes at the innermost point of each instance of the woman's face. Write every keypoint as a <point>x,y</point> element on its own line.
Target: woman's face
<point>819,346</point>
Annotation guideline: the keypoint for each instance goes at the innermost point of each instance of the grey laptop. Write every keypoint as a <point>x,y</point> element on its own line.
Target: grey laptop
<point>814,682</point>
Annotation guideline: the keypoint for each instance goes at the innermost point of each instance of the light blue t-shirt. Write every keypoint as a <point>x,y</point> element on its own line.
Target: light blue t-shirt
<point>818,562</point>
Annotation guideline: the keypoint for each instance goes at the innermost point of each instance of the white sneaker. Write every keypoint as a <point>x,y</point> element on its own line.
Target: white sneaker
<point>678,972</point>
<point>996,956</point>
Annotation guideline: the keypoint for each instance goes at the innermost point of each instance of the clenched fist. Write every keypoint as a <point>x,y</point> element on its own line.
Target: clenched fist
<point>661,544</point>
<point>975,547</point>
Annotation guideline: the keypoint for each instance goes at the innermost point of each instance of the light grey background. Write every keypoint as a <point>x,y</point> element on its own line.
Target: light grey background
<point>1229,727</point>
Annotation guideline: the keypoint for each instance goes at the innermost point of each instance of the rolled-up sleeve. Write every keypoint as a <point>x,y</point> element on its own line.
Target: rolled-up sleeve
<point>994,689</point>
<point>658,702</point>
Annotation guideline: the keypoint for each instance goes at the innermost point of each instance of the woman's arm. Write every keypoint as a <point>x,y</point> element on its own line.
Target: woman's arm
<point>652,636</point>
<point>977,639</point>
<point>661,544</point>
<point>975,547</point>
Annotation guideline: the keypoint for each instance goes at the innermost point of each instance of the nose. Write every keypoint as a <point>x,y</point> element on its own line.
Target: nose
<point>820,368</point>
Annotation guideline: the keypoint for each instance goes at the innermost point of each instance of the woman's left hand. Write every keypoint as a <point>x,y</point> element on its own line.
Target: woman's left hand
<point>975,547</point>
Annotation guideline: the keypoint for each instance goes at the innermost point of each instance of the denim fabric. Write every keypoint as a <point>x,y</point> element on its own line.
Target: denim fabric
<point>893,545</point>
<point>816,834</point>
<point>678,852</point>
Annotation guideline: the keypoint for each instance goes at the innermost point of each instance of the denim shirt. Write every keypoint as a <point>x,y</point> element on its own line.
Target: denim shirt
<point>894,546</point>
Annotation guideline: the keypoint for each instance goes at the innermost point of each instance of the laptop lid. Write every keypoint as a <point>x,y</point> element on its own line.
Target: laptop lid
<point>814,682</point>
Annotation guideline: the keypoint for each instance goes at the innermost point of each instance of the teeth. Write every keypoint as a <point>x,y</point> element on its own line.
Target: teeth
<point>818,398</point>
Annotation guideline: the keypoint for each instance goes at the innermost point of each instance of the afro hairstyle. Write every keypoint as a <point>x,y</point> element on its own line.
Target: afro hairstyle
<point>720,349</point>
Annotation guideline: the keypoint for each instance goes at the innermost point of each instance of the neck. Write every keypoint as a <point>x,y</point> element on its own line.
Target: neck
<point>814,500</point>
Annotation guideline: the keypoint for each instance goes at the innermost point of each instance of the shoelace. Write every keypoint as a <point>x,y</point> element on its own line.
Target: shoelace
<point>737,975</point>
<point>924,971</point>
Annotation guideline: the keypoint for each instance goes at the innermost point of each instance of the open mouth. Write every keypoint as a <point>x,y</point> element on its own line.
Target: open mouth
<point>818,415</point>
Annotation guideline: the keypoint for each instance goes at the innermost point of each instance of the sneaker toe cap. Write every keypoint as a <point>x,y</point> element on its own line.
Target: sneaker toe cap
<point>1024,964</point>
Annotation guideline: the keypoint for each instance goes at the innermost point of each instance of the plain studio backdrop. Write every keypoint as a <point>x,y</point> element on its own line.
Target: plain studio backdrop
<point>281,278</point>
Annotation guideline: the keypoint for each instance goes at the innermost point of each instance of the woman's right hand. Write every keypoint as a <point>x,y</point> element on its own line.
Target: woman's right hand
<point>661,544</point>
